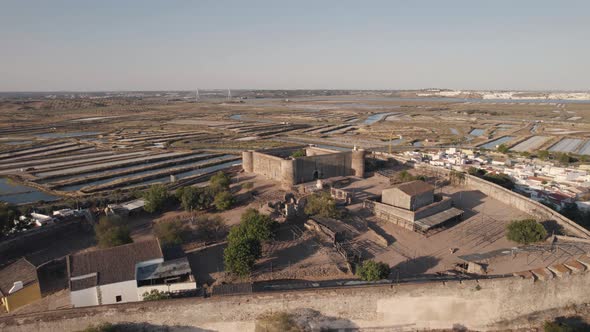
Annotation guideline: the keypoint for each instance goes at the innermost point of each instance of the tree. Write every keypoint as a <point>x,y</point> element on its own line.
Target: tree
<point>241,255</point>
<point>564,158</point>
<point>502,148</point>
<point>373,271</point>
<point>111,231</point>
<point>476,171</point>
<point>321,204</point>
<point>192,198</point>
<point>155,295</point>
<point>525,231</point>
<point>543,154</point>
<point>170,233</point>
<point>503,180</point>
<point>244,245</point>
<point>223,200</point>
<point>220,182</point>
<point>8,214</point>
<point>156,198</point>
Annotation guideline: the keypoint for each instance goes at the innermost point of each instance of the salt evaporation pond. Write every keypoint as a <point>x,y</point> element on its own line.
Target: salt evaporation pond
<point>15,193</point>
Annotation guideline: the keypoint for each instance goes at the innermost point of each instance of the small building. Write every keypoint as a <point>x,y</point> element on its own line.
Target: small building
<point>414,206</point>
<point>123,273</point>
<point>19,284</point>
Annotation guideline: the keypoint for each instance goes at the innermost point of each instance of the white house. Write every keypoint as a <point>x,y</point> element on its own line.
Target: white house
<point>110,275</point>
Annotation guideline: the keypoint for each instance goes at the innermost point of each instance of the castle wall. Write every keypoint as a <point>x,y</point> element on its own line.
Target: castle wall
<point>404,307</point>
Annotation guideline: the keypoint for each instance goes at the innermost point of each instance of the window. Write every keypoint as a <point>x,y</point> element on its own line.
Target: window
<point>118,298</point>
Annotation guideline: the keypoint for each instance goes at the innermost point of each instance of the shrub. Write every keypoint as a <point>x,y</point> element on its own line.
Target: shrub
<point>502,148</point>
<point>558,327</point>
<point>170,233</point>
<point>525,231</point>
<point>299,153</point>
<point>105,327</point>
<point>156,198</point>
<point>277,322</point>
<point>373,271</point>
<point>503,180</point>
<point>8,214</point>
<point>321,204</point>
<point>248,185</point>
<point>155,295</point>
<point>192,198</point>
<point>476,171</point>
<point>223,200</point>
<point>111,231</point>
<point>543,154</point>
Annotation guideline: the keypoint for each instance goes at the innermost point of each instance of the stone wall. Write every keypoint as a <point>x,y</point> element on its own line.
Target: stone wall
<point>402,307</point>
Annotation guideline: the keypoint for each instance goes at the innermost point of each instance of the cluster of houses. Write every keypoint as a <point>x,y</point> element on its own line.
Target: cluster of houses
<point>539,180</point>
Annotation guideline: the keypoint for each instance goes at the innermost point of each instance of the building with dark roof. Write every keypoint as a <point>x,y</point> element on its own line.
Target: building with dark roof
<point>19,284</point>
<point>410,195</point>
<point>109,276</point>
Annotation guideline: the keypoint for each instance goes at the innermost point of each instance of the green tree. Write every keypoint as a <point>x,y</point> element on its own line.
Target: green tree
<point>193,198</point>
<point>223,200</point>
<point>373,271</point>
<point>8,214</point>
<point>502,148</point>
<point>525,231</point>
<point>244,245</point>
<point>111,231</point>
<point>170,233</point>
<point>503,180</point>
<point>220,182</point>
<point>476,171</point>
<point>543,154</point>
<point>321,204</point>
<point>564,158</point>
<point>241,255</point>
<point>155,295</point>
<point>156,198</point>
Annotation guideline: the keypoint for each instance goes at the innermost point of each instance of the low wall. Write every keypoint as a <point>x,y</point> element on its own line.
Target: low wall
<point>517,201</point>
<point>383,307</point>
<point>525,204</point>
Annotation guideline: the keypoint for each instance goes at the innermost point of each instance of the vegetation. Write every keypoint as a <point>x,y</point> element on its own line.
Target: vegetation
<point>543,154</point>
<point>502,148</point>
<point>503,180</point>
<point>194,198</point>
<point>105,327</point>
<point>170,233</point>
<point>456,178</point>
<point>223,200</point>
<point>111,231</point>
<point>373,271</point>
<point>245,242</point>
<point>156,198</point>
<point>248,185</point>
<point>564,158</point>
<point>277,322</point>
<point>210,227</point>
<point>220,182</point>
<point>574,213</point>
<point>405,176</point>
<point>155,295</point>
<point>476,171</point>
<point>525,231</point>
<point>298,154</point>
<point>8,213</point>
<point>558,327</point>
<point>321,204</point>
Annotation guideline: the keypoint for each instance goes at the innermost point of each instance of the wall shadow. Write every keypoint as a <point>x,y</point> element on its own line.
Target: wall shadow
<point>414,267</point>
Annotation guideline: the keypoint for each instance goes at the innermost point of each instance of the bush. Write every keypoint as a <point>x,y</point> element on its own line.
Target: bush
<point>156,198</point>
<point>155,295</point>
<point>248,185</point>
<point>476,171</point>
<point>105,327</point>
<point>170,233</point>
<point>111,231</point>
<point>321,204</point>
<point>211,228</point>
<point>525,231</point>
<point>502,148</point>
<point>277,322</point>
<point>373,271</point>
<point>220,182</point>
<point>558,327</point>
<point>503,180</point>
<point>299,153</point>
<point>223,200</point>
<point>543,154</point>
<point>8,214</point>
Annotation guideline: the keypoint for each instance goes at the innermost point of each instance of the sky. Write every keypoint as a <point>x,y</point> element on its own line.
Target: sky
<point>82,45</point>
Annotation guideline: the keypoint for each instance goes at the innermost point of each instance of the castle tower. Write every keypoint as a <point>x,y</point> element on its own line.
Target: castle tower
<point>288,173</point>
<point>248,161</point>
<point>358,162</point>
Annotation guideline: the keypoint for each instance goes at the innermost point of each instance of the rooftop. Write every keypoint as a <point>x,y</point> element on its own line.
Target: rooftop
<point>107,266</point>
<point>414,188</point>
<point>166,269</point>
<point>21,270</point>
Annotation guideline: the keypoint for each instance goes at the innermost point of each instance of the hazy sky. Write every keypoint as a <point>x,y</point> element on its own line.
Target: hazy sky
<point>166,45</point>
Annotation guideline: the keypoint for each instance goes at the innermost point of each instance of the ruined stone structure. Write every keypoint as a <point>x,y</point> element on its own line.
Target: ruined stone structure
<point>413,206</point>
<point>318,163</point>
